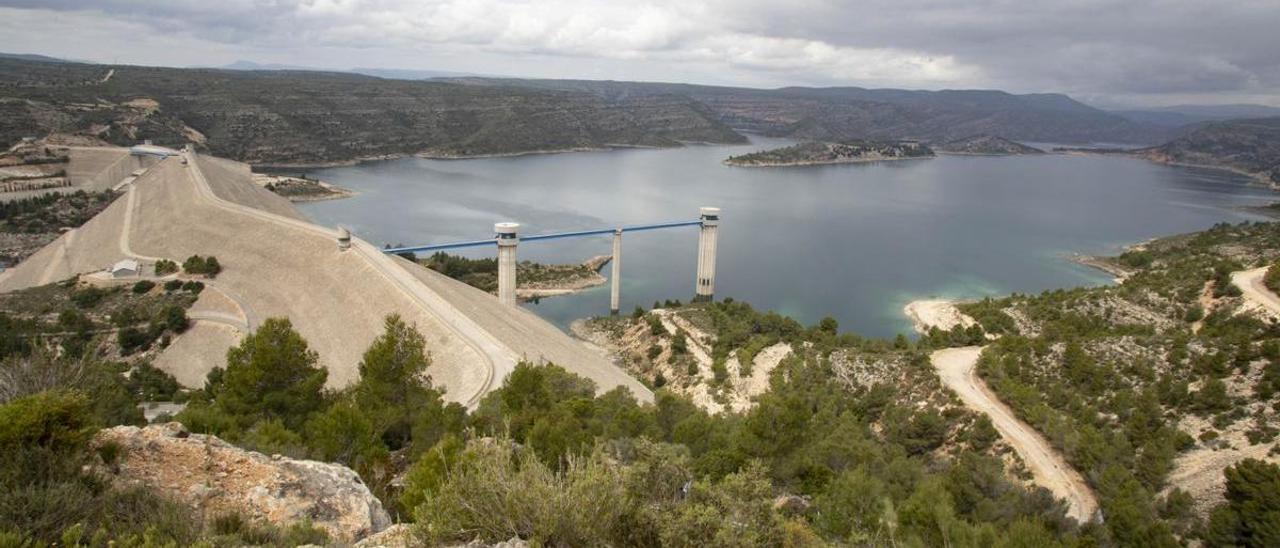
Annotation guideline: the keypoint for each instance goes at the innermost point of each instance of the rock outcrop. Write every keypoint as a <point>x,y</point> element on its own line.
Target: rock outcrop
<point>217,478</point>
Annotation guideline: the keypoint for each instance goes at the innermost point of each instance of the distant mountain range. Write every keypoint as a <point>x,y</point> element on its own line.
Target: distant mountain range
<point>297,117</point>
<point>33,57</point>
<point>1185,115</point>
<point>282,115</point>
<point>850,113</point>
<point>393,74</point>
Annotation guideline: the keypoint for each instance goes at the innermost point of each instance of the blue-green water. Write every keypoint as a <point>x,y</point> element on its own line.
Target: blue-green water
<point>856,242</point>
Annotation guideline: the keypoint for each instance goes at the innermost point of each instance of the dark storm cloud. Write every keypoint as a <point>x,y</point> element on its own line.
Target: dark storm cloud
<point>1099,48</point>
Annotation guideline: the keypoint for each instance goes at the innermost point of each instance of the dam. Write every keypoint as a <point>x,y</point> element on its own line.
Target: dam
<point>276,263</point>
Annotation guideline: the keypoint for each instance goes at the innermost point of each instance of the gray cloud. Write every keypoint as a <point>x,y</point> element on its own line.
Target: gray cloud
<point>1113,51</point>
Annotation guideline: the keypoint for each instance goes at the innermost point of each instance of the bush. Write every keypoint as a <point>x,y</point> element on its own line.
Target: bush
<point>1272,278</point>
<point>1251,514</point>
<point>131,339</point>
<point>88,297</point>
<point>143,286</point>
<point>147,383</point>
<point>165,266</point>
<point>173,318</point>
<point>173,285</point>
<point>207,266</point>
<point>492,492</point>
<point>193,286</point>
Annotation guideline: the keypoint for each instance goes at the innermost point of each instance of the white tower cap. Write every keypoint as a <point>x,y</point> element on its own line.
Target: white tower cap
<point>706,211</point>
<point>506,228</point>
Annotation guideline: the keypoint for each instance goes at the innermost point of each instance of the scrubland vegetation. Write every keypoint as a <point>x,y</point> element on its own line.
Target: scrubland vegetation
<point>855,442</point>
<point>1124,379</point>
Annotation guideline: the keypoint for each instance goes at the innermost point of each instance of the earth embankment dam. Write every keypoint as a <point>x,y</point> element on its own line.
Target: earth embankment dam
<point>278,264</point>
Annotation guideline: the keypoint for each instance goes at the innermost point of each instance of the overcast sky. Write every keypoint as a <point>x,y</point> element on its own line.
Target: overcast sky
<point>1109,53</point>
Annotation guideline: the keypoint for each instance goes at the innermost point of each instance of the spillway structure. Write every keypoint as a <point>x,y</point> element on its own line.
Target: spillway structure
<point>507,239</point>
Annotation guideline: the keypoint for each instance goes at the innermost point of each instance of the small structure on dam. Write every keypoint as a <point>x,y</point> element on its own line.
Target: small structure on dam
<point>507,238</point>
<point>344,238</point>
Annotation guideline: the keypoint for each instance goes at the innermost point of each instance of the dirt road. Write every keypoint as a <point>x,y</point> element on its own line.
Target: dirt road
<point>957,368</point>
<point>1250,284</point>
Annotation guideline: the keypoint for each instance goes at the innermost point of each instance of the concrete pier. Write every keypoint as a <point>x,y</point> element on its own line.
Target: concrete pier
<point>507,240</point>
<point>615,279</point>
<point>706,283</point>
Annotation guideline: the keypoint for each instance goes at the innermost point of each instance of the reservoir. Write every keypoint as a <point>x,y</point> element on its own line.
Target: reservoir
<point>851,241</point>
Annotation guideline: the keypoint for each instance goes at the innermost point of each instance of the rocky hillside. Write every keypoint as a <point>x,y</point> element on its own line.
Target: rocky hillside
<point>1249,146</point>
<point>840,114</point>
<point>990,145</point>
<point>813,153</point>
<point>284,117</point>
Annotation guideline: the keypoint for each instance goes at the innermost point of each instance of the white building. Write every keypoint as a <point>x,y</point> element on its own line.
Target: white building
<point>125,269</point>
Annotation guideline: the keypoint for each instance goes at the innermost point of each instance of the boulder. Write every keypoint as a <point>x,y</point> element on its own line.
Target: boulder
<point>401,535</point>
<point>217,478</point>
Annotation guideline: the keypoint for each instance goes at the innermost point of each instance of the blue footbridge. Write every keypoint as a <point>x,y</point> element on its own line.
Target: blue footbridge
<point>506,237</point>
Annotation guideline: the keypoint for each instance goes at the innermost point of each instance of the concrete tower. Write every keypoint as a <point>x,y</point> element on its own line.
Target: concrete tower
<point>615,291</point>
<point>507,240</point>
<point>706,285</point>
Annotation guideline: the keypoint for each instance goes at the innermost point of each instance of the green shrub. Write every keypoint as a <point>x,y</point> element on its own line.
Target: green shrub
<point>88,297</point>
<point>1272,278</point>
<point>1251,514</point>
<point>173,285</point>
<point>143,286</point>
<point>207,266</point>
<point>165,266</point>
<point>148,383</point>
<point>131,339</point>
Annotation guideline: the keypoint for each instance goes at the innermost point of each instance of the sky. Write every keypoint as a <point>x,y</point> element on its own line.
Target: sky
<point>1113,54</point>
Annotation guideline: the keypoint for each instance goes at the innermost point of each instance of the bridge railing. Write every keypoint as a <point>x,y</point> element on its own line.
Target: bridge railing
<point>506,239</point>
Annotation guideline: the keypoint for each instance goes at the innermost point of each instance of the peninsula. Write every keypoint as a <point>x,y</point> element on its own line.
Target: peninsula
<point>817,153</point>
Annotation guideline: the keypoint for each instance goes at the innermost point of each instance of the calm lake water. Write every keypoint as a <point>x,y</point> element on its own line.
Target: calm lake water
<point>855,242</point>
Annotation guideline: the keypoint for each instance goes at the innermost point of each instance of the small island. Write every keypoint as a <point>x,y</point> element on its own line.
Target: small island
<point>985,145</point>
<point>535,280</point>
<point>301,188</point>
<point>818,153</point>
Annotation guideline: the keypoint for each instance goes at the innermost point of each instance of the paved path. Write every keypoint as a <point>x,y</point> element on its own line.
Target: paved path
<point>1253,290</point>
<point>957,368</point>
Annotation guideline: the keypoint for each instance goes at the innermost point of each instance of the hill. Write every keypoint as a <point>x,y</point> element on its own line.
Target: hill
<point>301,117</point>
<point>985,145</point>
<point>1249,146</point>
<point>847,113</point>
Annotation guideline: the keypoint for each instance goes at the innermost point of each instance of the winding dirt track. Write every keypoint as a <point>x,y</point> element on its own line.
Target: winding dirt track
<point>1250,284</point>
<point>957,368</point>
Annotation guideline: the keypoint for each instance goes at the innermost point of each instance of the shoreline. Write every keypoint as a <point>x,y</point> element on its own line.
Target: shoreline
<point>439,155</point>
<point>1260,178</point>
<point>333,192</point>
<point>568,287</point>
<point>1104,264</point>
<point>926,314</point>
<point>730,163</point>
